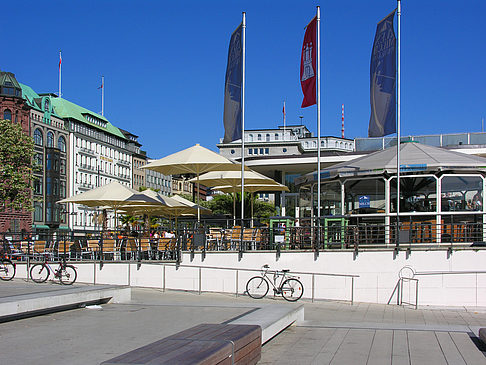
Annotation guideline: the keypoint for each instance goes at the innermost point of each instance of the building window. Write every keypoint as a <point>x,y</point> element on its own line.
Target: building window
<point>259,137</point>
<point>276,136</point>
<point>267,151</point>
<point>61,144</point>
<point>46,105</point>
<point>7,114</point>
<point>261,151</point>
<point>284,150</point>
<point>38,137</point>
<point>38,214</point>
<point>250,151</point>
<point>232,152</point>
<point>38,186</point>
<point>255,151</point>
<point>250,137</point>
<point>267,137</point>
<point>50,139</point>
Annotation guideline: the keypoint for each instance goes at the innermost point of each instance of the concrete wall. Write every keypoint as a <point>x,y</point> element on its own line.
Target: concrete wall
<point>378,274</point>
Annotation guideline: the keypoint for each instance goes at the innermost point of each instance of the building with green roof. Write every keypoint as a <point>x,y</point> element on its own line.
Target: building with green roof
<point>99,154</point>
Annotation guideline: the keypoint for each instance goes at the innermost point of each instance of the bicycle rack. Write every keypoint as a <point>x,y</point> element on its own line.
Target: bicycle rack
<point>406,275</point>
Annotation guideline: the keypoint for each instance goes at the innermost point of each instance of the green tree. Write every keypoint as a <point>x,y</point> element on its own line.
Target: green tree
<point>223,204</point>
<point>16,167</point>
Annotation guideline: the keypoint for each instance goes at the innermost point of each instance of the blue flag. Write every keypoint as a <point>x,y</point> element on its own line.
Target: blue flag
<point>232,90</point>
<point>382,80</point>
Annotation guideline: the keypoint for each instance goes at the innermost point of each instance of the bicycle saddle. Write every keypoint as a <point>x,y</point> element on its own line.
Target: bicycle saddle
<point>266,266</point>
<point>286,270</point>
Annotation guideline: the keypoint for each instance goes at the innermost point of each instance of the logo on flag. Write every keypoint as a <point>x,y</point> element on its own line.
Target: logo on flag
<point>382,80</point>
<point>308,62</point>
<point>232,92</point>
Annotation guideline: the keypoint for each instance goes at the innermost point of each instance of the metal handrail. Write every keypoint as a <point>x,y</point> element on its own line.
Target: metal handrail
<point>237,270</point>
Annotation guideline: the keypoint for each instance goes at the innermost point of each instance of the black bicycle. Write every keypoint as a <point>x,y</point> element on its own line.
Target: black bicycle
<point>7,269</point>
<point>289,286</point>
<point>66,274</point>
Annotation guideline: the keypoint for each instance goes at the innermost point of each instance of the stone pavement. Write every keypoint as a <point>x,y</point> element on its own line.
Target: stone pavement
<point>331,333</point>
<point>340,333</point>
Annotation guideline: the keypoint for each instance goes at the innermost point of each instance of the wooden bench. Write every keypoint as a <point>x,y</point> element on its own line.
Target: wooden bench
<point>205,344</point>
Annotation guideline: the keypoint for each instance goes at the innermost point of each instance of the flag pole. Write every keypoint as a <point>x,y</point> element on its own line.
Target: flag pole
<point>318,50</point>
<point>102,95</point>
<point>243,47</point>
<point>284,119</point>
<point>60,62</point>
<point>399,9</point>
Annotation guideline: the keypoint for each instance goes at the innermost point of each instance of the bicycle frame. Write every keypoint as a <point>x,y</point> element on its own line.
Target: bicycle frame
<point>276,274</point>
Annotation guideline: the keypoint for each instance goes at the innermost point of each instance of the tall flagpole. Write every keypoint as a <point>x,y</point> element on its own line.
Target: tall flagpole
<point>102,95</point>
<point>60,65</point>
<point>318,50</point>
<point>243,46</point>
<point>399,9</point>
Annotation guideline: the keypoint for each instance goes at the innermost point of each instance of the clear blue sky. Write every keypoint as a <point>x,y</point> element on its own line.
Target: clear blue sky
<point>164,63</point>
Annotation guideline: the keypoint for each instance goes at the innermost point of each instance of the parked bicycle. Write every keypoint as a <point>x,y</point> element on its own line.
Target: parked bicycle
<point>7,269</point>
<point>289,286</point>
<point>66,274</point>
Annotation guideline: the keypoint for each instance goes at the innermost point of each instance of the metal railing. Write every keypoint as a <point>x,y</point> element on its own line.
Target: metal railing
<point>215,236</point>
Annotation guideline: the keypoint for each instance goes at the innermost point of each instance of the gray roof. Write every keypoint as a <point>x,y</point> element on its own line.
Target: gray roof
<point>414,157</point>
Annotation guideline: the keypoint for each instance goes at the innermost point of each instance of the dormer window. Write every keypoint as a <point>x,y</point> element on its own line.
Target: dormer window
<point>46,105</point>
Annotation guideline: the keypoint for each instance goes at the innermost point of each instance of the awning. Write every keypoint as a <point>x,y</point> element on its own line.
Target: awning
<point>39,226</point>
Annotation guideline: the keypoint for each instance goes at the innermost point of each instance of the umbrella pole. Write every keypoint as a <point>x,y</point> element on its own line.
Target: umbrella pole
<point>234,208</point>
<point>198,210</point>
<point>251,199</point>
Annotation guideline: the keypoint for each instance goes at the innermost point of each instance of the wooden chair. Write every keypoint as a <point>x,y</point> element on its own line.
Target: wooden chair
<point>214,238</point>
<point>165,248</point>
<point>63,250</point>
<point>247,238</point>
<point>131,249</point>
<point>109,249</point>
<point>93,249</point>
<point>146,248</point>
<point>235,238</point>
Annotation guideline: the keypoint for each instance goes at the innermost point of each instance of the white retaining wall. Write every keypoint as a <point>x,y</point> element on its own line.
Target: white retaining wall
<point>378,274</point>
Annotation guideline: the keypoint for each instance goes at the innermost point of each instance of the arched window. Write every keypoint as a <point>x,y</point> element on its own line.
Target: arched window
<point>61,144</point>
<point>259,137</point>
<point>46,105</point>
<point>38,137</point>
<point>276,136</point>
<point>50,139</point>
<point>7,114</point>
<point>250,137</point>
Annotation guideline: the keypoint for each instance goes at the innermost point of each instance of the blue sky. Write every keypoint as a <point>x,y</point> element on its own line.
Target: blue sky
<point>164,63</point>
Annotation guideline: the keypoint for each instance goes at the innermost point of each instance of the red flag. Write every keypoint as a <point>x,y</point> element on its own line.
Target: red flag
<point>60,60</point>
<point>308,62</point>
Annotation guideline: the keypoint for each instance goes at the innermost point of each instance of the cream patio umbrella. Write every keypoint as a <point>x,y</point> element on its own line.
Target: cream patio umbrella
<point>189,203</point>
<point>112,195</point>
<point>252,188</point>
<point>193,160</point>
<point>233,179</point>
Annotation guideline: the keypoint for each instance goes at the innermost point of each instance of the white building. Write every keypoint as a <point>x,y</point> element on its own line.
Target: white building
<point>98,155</point>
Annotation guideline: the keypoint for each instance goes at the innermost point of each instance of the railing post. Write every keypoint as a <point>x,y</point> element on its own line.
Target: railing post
<point>199,280</point>
<point>163,280</point>
<point>313,282</point>
<point>352,290</point>
<point>416,294</point>
<point>236,283</point>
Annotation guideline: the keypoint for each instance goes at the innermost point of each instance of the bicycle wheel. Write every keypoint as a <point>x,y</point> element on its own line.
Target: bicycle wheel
<point>292,290</point>
<point>39,273</point>
<point>67,275</point>
<point>257,287</point>
<point>7,270</point>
